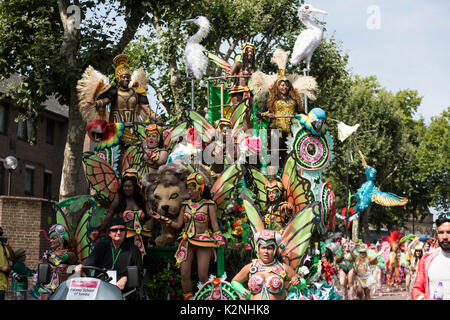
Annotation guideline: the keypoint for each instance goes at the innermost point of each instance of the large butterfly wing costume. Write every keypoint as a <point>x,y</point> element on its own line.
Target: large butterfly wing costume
<point>297,189</point>
<point>295,236</point>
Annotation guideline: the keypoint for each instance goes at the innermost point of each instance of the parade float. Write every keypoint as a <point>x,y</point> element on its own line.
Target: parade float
<point>243,174</point>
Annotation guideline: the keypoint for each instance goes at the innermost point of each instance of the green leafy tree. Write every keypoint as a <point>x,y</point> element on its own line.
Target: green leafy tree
<point>433,160</point>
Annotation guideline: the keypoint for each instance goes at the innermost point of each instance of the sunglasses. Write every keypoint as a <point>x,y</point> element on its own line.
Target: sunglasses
<point>115,230</point>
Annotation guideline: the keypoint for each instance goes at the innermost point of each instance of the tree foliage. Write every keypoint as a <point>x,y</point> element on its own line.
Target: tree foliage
<point>38,43</point>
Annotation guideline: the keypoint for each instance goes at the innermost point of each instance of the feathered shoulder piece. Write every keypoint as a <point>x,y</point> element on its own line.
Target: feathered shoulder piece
<point>89,87</point>
<point>139,81</point>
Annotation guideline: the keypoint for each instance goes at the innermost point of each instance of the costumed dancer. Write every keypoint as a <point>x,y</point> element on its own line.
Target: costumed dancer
<point>283,101</point>
<point>128,100</point>
<point>267,277</point>
<point>130,206</point>
<point>244,66</point>
<point>363,274</point>
<point>393,264</point>
<point>61,254</point>
<point>197,239</point>
<point>345,262</point>
<point>412,257</point>
<point>155,154</point>
<point>278,212</point>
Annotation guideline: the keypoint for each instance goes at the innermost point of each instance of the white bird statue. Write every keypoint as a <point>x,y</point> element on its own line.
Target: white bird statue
<point>196,60</point>
<point>309,39</point>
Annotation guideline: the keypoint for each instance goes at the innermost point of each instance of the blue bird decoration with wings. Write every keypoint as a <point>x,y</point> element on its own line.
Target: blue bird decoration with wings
<point>369,193</point>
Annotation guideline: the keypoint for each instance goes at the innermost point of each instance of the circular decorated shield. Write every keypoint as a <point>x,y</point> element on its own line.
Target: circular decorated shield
<point>310,152</point>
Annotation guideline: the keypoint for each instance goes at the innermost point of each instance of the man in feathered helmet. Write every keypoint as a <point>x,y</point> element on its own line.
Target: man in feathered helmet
<point>128,100</point>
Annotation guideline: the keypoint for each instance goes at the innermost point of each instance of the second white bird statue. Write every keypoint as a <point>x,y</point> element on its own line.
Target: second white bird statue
<point>196,60</point>
<point>309,39</point>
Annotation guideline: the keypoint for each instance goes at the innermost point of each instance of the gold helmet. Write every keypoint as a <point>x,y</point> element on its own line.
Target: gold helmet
<point>274,185</point>
<point>247,45</point>
<point>122,67</point>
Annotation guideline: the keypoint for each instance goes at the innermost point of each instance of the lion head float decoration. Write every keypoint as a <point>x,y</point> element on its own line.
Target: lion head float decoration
<point>164,193</point>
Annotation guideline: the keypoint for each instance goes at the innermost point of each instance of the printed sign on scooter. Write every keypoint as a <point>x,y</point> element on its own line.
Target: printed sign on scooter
<point>83,289</point>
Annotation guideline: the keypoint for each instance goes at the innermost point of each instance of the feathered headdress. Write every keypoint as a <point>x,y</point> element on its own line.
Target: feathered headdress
<point>89,87</point>
<point>394,237</point>
<point>260,82</point>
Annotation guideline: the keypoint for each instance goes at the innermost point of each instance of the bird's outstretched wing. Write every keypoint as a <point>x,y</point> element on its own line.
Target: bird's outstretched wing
<point>297,234</point>
<point>297,189</point>
<point>387,199</point>
<point>101,176</point>
<point>223,64</point>
<point>89,87</point>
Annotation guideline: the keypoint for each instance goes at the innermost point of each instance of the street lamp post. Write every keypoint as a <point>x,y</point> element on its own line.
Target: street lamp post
<point>10,163</point>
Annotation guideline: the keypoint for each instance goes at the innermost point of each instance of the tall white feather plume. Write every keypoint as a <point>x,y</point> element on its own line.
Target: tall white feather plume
<point>89,87</point>
<point>280,58</point>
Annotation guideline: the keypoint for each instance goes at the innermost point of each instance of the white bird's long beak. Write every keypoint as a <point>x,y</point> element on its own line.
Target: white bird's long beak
<point>189,20</point>
<point>317,11</point>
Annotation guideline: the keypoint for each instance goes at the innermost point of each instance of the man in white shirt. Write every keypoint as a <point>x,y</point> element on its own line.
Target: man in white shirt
<point>434,267</point>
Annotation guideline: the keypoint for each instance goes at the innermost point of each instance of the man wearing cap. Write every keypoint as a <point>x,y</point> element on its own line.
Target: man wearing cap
<point>115,255</point>
<point>434,267</point>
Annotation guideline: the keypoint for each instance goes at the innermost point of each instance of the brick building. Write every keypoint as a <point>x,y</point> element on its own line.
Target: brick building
<point>40,162</point>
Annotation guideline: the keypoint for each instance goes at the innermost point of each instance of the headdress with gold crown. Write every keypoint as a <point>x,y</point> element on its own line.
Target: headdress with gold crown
<point>280,58</point>
<point>122,67</point>
<point>197,179</point>
<point>151,128</point>
<point>247,45</point>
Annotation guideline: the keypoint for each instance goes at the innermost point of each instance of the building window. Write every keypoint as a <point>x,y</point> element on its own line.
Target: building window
<point>22,129</point>
<point>26,130</point>
<point>47,185</point>
<point>29,181</point>
<point>50,132</point>
<point>3,119</point>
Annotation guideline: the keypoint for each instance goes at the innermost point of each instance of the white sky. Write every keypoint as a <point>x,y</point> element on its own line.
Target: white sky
<point>407,47</point>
